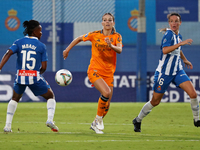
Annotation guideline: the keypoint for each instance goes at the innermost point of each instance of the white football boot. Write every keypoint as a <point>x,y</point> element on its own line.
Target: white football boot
<point>99,122</point>
<point>51,125</point>
<point>94,128</point>
<point>6,129</point>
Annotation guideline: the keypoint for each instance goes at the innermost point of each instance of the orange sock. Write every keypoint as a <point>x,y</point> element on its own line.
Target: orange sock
<point>106,109</point>
<point>101,105</point>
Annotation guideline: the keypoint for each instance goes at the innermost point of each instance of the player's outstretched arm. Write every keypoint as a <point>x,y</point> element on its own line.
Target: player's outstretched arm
<point>71,45</point>
<point>169,49</point>
<point>5,58</point>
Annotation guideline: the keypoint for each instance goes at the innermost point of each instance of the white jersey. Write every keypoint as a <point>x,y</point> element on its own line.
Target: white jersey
<point>170,64</point>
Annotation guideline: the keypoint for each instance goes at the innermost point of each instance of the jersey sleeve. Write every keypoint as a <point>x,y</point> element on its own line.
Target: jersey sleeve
<point>87,37</point>
<point>167,39</point>
<point>14,47</point>
<point>119,39</point>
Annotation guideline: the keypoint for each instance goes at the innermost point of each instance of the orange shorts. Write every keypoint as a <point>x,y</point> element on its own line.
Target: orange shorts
<point>94,75</point>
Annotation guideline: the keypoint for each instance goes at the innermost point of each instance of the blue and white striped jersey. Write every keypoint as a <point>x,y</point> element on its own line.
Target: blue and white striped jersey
<point>170,64</point>
<point>30,53</point>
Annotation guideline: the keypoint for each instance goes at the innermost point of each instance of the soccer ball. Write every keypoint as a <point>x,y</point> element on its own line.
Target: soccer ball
<point>63,77</point>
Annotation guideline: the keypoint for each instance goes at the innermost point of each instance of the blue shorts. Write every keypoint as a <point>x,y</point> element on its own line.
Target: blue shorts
<point>38,88</point>
<point>162,81</point>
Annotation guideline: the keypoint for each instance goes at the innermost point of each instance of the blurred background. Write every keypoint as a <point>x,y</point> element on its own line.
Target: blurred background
<point>68,19</point>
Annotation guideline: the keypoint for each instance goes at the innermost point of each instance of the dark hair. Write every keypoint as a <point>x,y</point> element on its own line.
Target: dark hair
<point>30,26</point>
<point>168,17</point>
<point>113,28</point>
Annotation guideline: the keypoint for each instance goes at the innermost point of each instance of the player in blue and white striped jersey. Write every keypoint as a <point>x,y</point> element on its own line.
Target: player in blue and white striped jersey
<point>31,63</point>
<point>169,63</point>
<point>170,70</point>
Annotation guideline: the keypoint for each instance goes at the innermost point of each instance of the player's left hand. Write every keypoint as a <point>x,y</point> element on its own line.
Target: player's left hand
<point>188,64</point>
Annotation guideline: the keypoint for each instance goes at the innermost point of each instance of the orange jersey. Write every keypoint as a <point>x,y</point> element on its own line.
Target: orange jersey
<point>103,58</point>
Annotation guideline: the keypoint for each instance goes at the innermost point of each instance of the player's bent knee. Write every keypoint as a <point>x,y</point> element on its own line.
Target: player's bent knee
<point>48,95</point>
<point>193,95</point>
<point>106,93</point>
<point>155,102</point>
<point>105,99</point>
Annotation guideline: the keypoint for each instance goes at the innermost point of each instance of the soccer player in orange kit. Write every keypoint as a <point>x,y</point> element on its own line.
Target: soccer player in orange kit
<point>106,43</point>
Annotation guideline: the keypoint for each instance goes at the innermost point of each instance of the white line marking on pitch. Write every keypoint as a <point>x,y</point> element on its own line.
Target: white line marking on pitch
<point>89,141</point>
<point>111,124</point>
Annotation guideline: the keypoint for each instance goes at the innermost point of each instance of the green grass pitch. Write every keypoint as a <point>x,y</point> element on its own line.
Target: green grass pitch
<point>168,127</point>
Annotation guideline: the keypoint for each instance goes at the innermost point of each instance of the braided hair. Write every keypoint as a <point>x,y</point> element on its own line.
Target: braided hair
<point>30,26</point>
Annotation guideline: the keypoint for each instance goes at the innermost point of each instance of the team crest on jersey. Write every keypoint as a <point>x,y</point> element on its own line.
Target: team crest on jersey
<point>119,39</point>
<point>86,35</point>
<point>159,88</point>
<point>111,39</point>
<point>165,40</point>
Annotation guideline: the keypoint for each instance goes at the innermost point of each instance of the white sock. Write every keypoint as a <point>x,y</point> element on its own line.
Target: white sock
<point>195,108</point>
<point>99,117</point>
<point>12,106</point>
<point>51,105</point>
<point>145,111</point>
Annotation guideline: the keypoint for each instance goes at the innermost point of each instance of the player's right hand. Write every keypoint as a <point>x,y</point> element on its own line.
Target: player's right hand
<point>65,53</point>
